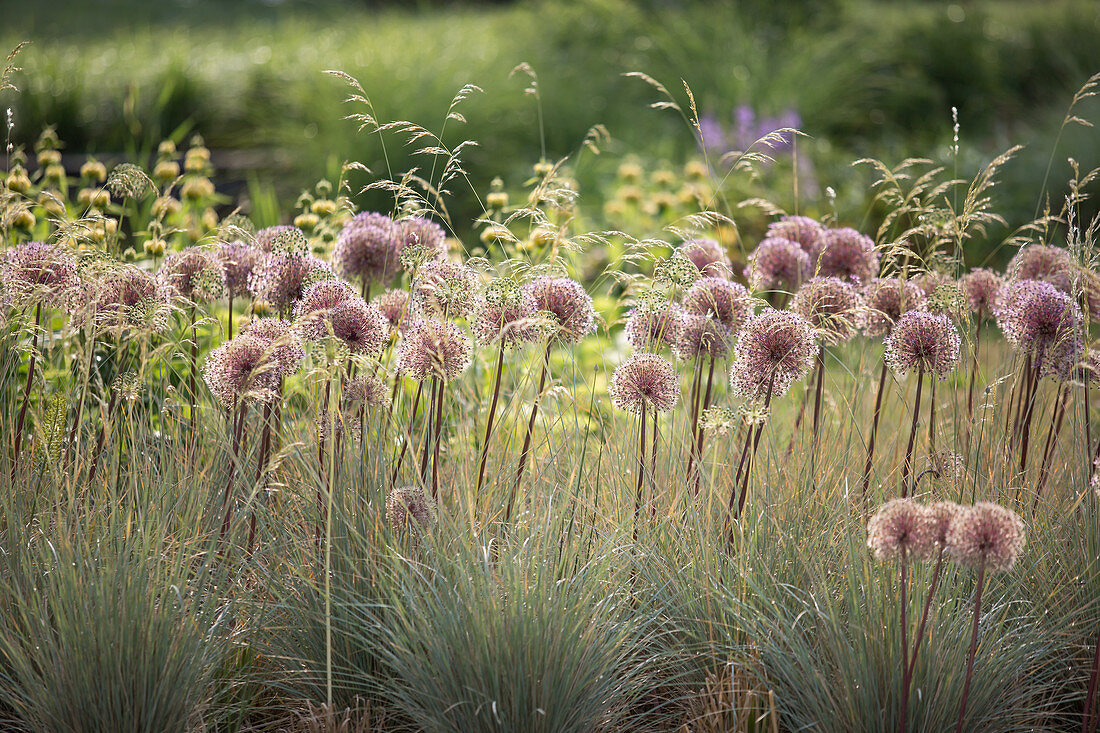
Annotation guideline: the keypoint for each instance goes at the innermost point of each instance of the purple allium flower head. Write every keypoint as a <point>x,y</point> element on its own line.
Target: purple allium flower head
<point>901,525</point>
<point>1036,317</point>
<point>266,239</point>
<point>317,301</point>
<point>395,306</point>
<point>433,348</point>
<point>707,255</point>
<point>505,312</point>
<point>237,260</point>
<point>831,305</point>
<point>39,273</point>
<point>286,347</point>
<point>776,348</point>
<point>409,507</point>
<point>980,286</point>
<point>445,289</point>
<point>368,248</point>
<point>366,390</point>
<point>777,263</point>
<point>651,325</point>
<point>192,274</point>
<point>360,326</point>
<point>930,281</point>
<point>566,305</point>
<point>281,279</point>
<point>703,336</point>
<point>127,297</point>
<point>884,300</point>
<point>727,302</point>
<point>803,231</point>
<point>416,232</point>
<point>849,255</point>
<point>1044,262</point>
<point>942,514</point>
<point>644,380</point>
<point>923,341</point>
<point>242,368</point>
<point>986,534</point>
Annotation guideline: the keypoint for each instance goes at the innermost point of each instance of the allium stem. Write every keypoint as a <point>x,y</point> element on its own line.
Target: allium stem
<point>752,454</point>
<point>641,471</point>
<point>1029,412</point>
<point>801,412</point>
<point>428,433</point>
<point>907,467</point>
<point>973,648</point>
<point>489,422</point>
<point>973,373</point>
<point>102,435</point>
<point>937,570</point>
<point>653,464</point>
<point>438,438</point>
<point>408,437</point>
<point>932,414</point>
<point>234,455</point>
<point>699,434</point>
<point>527,436</point>
<point>696,382</point>
<point>1022,387</point>
<point>1089,724</point>
<point>329,427</point>
<point>26,393</point>
<point>261,470</point>
<point>817,411</point>
<point>194,389</point>
<point>1056,419</point>
<point>904,571</point>
<point>874,432</point>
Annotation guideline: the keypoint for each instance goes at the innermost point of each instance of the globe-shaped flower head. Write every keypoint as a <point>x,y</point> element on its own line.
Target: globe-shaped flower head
<point>410,507</point>
<point>727,303</point>
<point>986,535</point>
<point>242,368</point>
<point>192,274</point>
<point>506,313</point>
<point>1039,319</point>
<point>654,324</point>
<point>267,239</point>
<point>567,308</point>
<point>923,341</point>
<point>776,348</point>
<point>419,240</point>
<point>778,263</point>
<point>395,306</point>
<point>644,381</point>
<point>434,348</point>
<point>282,341</point>
<point>833,306</point>
<point>1044,262</point>
<point>126,298</point>
<point>980,286</point>
<point>803,231</point>
<point>368,249</point>
<point>312,311</point>
<point>884,300</point>
<point>281,279</point>
<point>445,289</point>
<point>849,255</point>
<point>708,256</point>
<point>901,526</point>
<point>39,273</point>
<point>237,261</point>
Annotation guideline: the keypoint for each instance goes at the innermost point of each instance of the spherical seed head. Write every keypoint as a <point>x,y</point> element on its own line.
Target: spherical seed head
<point>505,312</point>
<point>394,306</point>
<point>923,341</point>
<point>281,279</point>
<point>1087,369</point>
<point>942,513</point>
<point>409,507</point>
<point>775,348</point>
<point>777,263</point>
<point>804,231</point>
<point>242,368</point>
<point>1043,262</point>
<point>708,256</point>
<point>901,525</point>
<point>425,240</point>
<point>284,344</point>
<point>726,302</point>
<point>980,286</point>
<point>445,289</point>
<point>833,306</point>
<point>650,326</point>
<point>434,348</point>
<point>849,255</point>
<point>566,306</point>
<point>267,239</point>
<point>1036,317</point>
<point>127,298</point>
<point>703,336</point>
<point>644,380</point>
<point>368,248</point>
<point>37,272</point>
<point>986,534</point>
<point>884,300</point>
<point>313,309</point>
<point>192,274</point>
<point>365,390</point>
<point>237,260</point>
<point>359,326</point>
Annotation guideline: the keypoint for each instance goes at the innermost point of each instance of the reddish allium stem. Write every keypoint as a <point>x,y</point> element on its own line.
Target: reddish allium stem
<point>698,475</point>
<point>904,571</point>
<point>907,467</point>
<point>489,422</point>
<point>528,435</point>
<point>874,431</point>
<point>26,393</point>
<point>641,471</point>
<point>973,649</point>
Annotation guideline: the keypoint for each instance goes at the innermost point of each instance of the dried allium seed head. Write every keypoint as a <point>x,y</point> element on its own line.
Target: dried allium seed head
<point>409,507</point>
<point>980,286</point>
<point>433,348</point>
<point>368,248</point>
<point>708,256</point>
<point>284,344</point>
<point>1038,318</point>
<point>804,231</point>
<point>395,307</point>
<point>281,279</point>
<point>885,299</point>
<point>778,264</point>
<point>986,534</point>
<point>728,303</point>
<point>193,274</point>
<point>1043,262</point>
<point>901,526</point>
<point>948,468</point>
<point>923,341</point>
<point>942,513</point>
<point>37,272</point>
<point>567,308</point>
<point>776,348</point>
<point>831,305</point>
<point>242,368</point>
<point>365,390</point>
<point>703,336</point>
<point>127,298</point>
<point>128,181</point>
<point>848,255</point>
<point>237,260</point>
<point>505,312</point>
<point>359,326</point>
<point>445,289</point>
<point>650,326</point>
<point>313,309</point>
<point>644,380</point>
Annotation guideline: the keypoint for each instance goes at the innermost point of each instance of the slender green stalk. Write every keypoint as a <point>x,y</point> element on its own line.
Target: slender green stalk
<point>641,471</point>
<point>699,434</point>
<point>528,435</point>
<point>408,437</point>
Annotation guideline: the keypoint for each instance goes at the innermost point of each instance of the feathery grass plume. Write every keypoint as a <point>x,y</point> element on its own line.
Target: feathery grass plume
<point>36,273</point>
<point>884,300</point>
<point>237,260</point>
<point>807,233</point>
<point>281,279</point>
<point>653,324</point>
<point>368,249</point>
<point>409,507</point>
<point>848,255</point>
<point>445,289</point>
<point>985,537</point>
<point>708,256</point>
<point>1043,262</point>
<point>778,263</point>
<point>312,311</point>
<point>566,305</point>
<point>395,306</point>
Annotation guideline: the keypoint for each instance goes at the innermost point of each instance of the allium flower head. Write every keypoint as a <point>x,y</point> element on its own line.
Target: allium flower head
<point>420,240</point>
<point>37,272</point>
<point>237,260</point>
<point>242,368</point>
<point>361,327</point>
<point>923,341</point>
<point>651,325</point>
<point>727,302</point>
<point>884,300</point>
<point>644,380</point>
<point>676,270</point>
<point>980,286</point>
<point>901,525</point>
<point>193,274</point>
<point>127,298</point>
<point>1036,317</point>
<point>567,307</point>
<point>409,507</point>
<point>277,238</point>
<point>849,255</point>
<point>394,305</point>
<point>1043,262</point>
<point>802,230</point>
<point>506,313</point>
<point>365,390</point>
<point>281,279</point>
<point>433,348</point>
<point>445,289</point>
<point>776,348</point>
<point>831,305</point>
<point>948,468</point>
<point>986,534</point>
<point>942,514</point>
<point>778,264</point>
<point>313,309</point>
<point>284,344</point>
<point>708,256</point>
<point>368,248</point>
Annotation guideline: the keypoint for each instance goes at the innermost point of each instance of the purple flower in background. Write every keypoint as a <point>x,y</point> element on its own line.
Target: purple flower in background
<point>746,129</point>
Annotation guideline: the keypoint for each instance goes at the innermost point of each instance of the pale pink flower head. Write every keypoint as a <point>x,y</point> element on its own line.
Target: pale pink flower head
<point>192,274</point>
<point>924,342</point>
<point>807,233</point>
<point>505,313</point>
<point>368,249</point>
<point>39,273</point>
<point>775,348</point>
<point>981,286</point>
<point>566,305</point>
<point>986,535</point>
<point>702,335</point>
<point>652,325</point>
<point>647,381</point>
<point>434,348</point>
<point>901,527</point>
<point>942,514</point>
<point>395,306</point>
<point>313,309</point>
<point>282,340</point>
<point>422,236</point>
<point>831,305</point>
<point>273,239</point>
<point>361,327</point>
<point>237,261</point>
<point>127,298</point>
<point>726,302</point>
<point>848,255</point>
<point>778,264</point>
<point>445,289</point>
<point>1038,318</point>
<point>366,390</point>
<point>884,300</point>
<point>242,368</point>
<point>708,256</point>
<point>1044,262</point>
<point>281,279</point>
